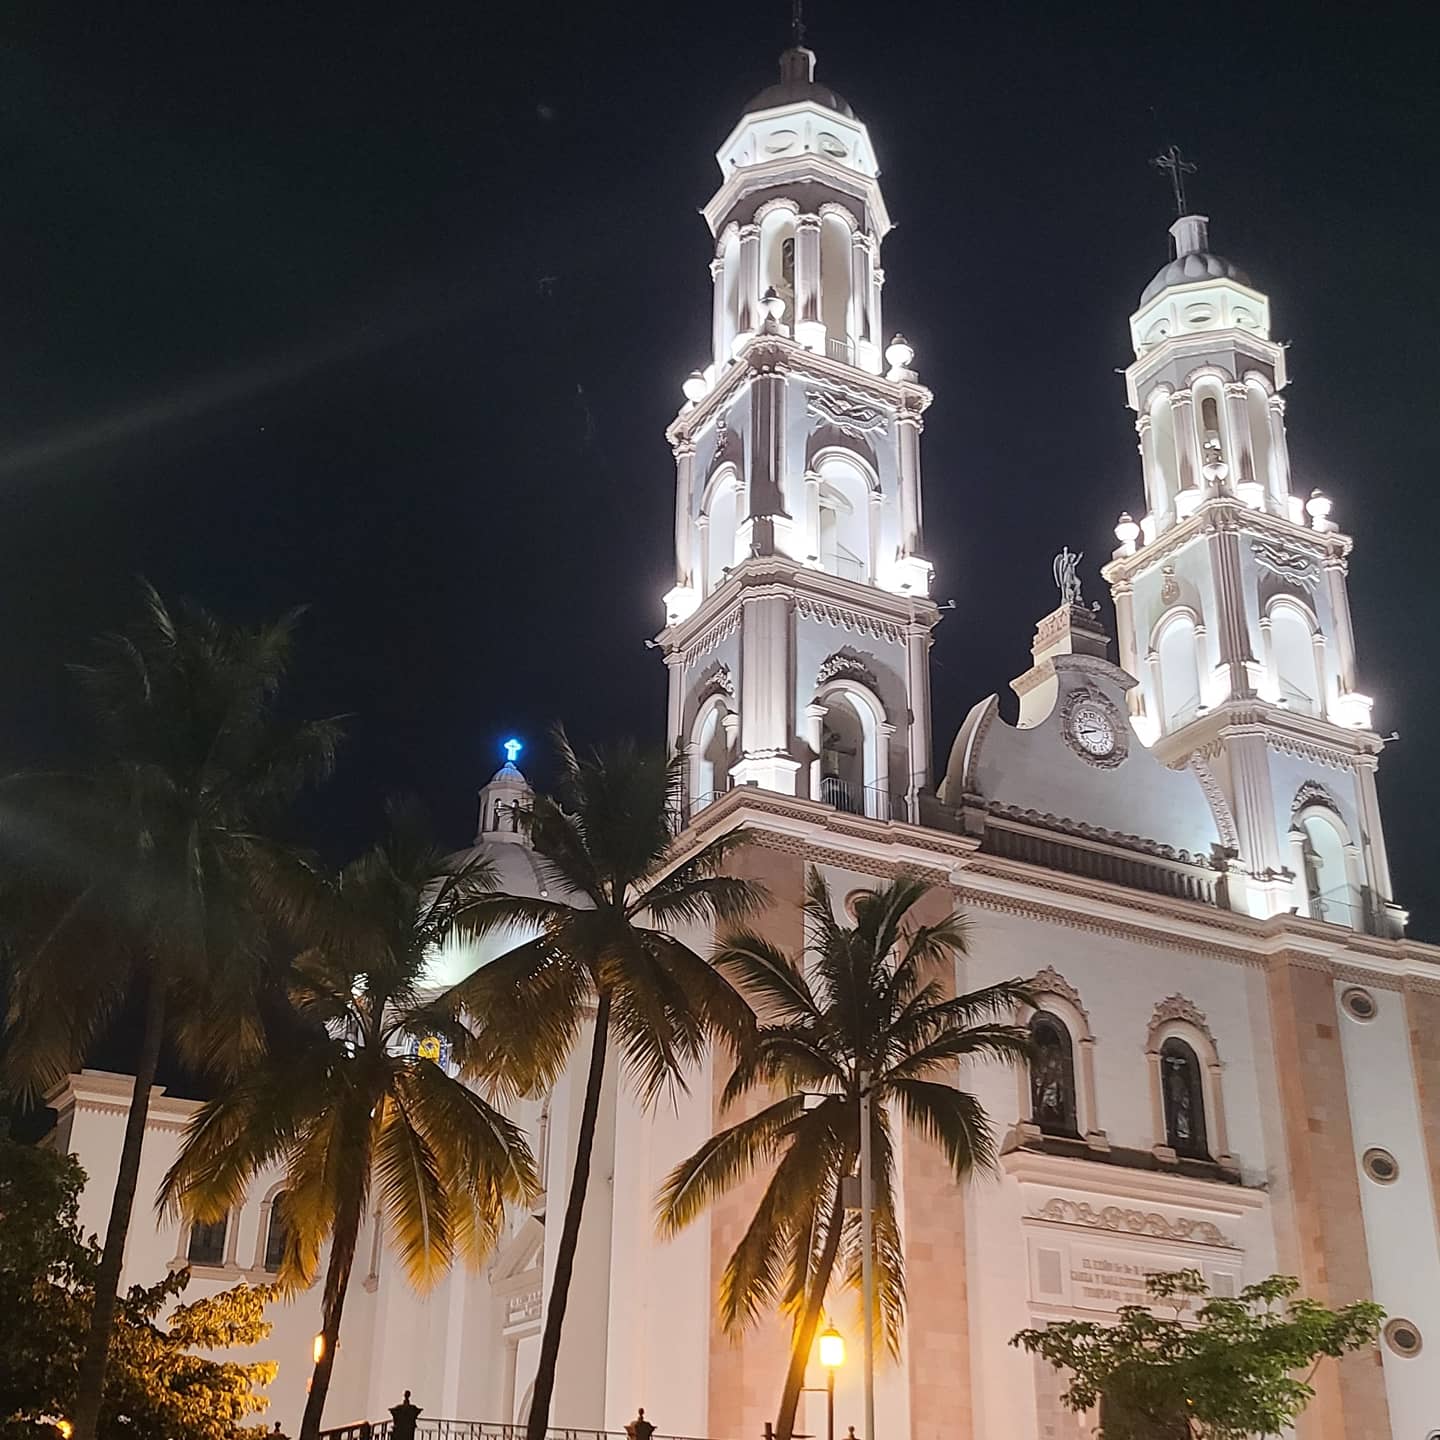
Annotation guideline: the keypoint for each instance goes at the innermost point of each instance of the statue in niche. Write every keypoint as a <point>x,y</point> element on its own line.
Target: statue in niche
<point>1052,1076</point>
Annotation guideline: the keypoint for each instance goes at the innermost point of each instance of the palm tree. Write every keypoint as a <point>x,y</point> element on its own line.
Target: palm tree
<point>347,1103</point>
<point>872,1000</point>
<point>604,953</point>
<point>138,882</point>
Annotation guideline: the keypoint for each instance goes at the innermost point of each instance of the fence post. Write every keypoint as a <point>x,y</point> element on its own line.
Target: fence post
<point>404,1416</point>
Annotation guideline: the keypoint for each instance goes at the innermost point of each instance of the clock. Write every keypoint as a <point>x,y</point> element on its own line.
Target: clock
<point>1093,728</point>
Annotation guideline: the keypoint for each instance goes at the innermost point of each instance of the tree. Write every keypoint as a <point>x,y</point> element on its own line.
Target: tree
<point>866,1000</point>
<point>347,1101</point>
<point>603,843</point>
<point>1227,1369</point>
<point>156,1387</point>
<point>140,878</point>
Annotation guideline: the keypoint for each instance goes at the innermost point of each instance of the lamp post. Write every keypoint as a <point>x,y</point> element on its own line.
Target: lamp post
<point>867,1257</point>
<point>832,1357</point>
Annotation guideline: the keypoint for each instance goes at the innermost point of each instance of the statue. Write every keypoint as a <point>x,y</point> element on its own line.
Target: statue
<point>1066,579</point>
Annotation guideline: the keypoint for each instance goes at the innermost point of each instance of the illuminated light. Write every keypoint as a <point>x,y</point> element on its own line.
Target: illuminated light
<point>429,1048</point>
<point>694,387</point>
<point>832,1348</point>
<point>773,303</point>
<point>1127,532</point>
<point>512,749</point>
<point>65,1428</point>
<point>317,1348</point>
<point>899,353</point>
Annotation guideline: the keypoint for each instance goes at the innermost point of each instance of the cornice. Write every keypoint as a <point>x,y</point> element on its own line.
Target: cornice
<point>1065,1172</point>
<point>1320,741</point>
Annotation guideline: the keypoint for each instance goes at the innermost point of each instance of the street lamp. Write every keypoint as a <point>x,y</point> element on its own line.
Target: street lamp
<point>832,1357</point>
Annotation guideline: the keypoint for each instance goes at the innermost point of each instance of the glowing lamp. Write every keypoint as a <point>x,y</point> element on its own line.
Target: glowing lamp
<point>832,1348</point>
<point>1127,532</point>
<point>1318,507</point>
<point>773,303</point>
<point>899,353</point>
<point>65,1428</point>
<point>694,387</point>
<point>512,748</point>
<point>317,1349</point>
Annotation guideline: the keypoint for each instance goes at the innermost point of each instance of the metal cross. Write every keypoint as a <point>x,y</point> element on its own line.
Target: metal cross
<point>1174,164</point>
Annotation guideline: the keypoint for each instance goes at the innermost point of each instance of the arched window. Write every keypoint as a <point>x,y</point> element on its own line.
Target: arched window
<point>721,516</point>
<point>1164,457</point>
<point>710,764</point>
<point>843,486</point>
<point>1052,1075</point>
<point>838,533</point>
<point>1292,650</point>
<point>206,1245</point>
<point>277,1233</point>
<point>835,244</point>
<point>1179,670</point>
<point>852,771</point>
<point>1182,1093</point>
<point>1257,410</point>
<point>1329,889</point>
<point>777,257</point>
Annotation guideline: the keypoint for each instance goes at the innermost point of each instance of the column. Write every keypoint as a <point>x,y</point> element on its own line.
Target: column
<point>748,319</point>
<point>917,658</point>
<point>684,499</point>
<point>1254,805</point>
<point>807,273</point>
<point>877,284</point>
<point>1155,496</point>
<point>1337,592</point>
<point>1123,594</point>
<point>1232,633</point>
<point>1187,443</point>
<point>675,714</point>
<point>1377,861</point>
<point>718,348</point>
<point>860,326</point>
<point>909,423</point>
<point>767,457</point>
<point>767,691</point>
<point>1237,444</point>
<point>1279,449</point>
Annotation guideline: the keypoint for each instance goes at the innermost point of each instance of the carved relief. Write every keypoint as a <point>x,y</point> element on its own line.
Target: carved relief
<point>1219,805</point>
<point>840,616</point>
<point>1124,1221</point>
<point>1177,1007</point>
<point>1297,566</point>
<point>1312,792</point>
<point>1051,982</point>
<point>717,680</point>
<point>849,663</point>
<point>850,414</point>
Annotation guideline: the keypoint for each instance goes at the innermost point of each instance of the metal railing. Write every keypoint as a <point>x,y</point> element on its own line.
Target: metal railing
<point>841,350</point>
<point>867,800</point>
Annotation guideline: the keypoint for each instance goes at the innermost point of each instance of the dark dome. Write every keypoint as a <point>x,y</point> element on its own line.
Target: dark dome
<point>797,83</point>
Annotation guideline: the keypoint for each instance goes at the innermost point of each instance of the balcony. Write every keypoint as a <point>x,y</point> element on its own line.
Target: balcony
<point>867,800</point>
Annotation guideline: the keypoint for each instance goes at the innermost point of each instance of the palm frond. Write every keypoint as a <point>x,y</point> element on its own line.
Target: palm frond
<point>951,1119</point>
<point>773,982</point>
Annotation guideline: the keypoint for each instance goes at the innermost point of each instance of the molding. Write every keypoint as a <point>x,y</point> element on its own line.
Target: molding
<point>1080,830</point>
<point>846,664</point>
<point>843,617</point>
<point>1050,982</point>
<point>1124,1220</point>
<point>1312,792</point>
<point>852,415</point>
<point>1215,795</point>
<point>1131,1186</point>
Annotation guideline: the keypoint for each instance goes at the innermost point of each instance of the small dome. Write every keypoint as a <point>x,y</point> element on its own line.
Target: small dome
<point>796,84</point>
<point>1193,260</point>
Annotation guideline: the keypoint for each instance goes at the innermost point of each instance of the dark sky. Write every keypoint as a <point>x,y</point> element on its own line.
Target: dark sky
<point>383,309</point>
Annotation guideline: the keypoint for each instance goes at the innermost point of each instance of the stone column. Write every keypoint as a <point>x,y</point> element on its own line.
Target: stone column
<point>767,690</point>
<point>807,270</point>
<point>917,664</point>
<point>860,326</point>
<point>675,713</point>
<point>748,318</point>
<point>909,423</point>
<point>1122,592</point>
<point>1279,448</point>
<point>1377,860</point>
<point>1232,633</point>
<point>1238,450</point>
<point>1187,442</point>
<point>684,500</point>
<point>1155,496</point>
<point>1337,592</point>
<point>718,346</point>
<point>767,457</point>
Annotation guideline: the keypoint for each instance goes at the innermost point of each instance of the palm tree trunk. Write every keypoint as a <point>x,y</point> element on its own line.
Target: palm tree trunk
<point>90,1382</point>
<point>808,1321</point>
<point>538,1420</point>
<point>337,1283</point>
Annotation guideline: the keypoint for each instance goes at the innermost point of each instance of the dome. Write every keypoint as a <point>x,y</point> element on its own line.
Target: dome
<point>797,84</point>
<point>1193,260</point>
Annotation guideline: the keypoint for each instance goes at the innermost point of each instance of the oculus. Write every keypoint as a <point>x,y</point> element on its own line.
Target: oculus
<point>1404,1338</point>
<point>1358,1004</point>
<point>1380,1165</point>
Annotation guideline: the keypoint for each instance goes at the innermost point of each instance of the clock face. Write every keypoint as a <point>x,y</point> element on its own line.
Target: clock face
<point>1093,729</point>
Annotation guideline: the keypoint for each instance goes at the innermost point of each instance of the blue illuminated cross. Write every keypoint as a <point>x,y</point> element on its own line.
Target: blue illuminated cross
<point>512,748</point>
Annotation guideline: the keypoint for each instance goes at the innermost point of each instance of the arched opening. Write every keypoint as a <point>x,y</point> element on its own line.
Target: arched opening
<point>722,517</point>
<point>729,281</point>
<point>1164,457</point>
<point>1292,649</point>
<point>1052,1075</point>
<point>1210,428</point>
<point>852,771</point>
<point>710,766</point>
<point>1179,670</point>
<point>1257,410</point>
<point>277,1234</point>
<point>1182,1093</point>
<point>835,285</point>
<point>206,1245</point>
<point>777,259</point>
<point>843,542</point>
<point>1329,890</point>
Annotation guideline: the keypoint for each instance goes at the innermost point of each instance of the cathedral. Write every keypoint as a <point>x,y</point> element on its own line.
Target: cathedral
<point>1178,843</point>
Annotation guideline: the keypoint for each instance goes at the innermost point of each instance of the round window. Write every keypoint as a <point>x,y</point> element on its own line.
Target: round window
<point>1403,1337</point>
<point>1381,1166</point>
<point>1358,1004</point>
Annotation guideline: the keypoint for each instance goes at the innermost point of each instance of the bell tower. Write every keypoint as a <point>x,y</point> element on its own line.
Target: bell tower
<point>797,632</point>
<point>1231,601</point>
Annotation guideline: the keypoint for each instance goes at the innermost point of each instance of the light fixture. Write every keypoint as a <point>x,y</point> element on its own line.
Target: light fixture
<point>1127,532</point>
<point>832,1348</point>
<point>694,387</point>
<point>317,1348</point>
<point>1318,507</point>
<point>899,353</point>
<point>774,303</point>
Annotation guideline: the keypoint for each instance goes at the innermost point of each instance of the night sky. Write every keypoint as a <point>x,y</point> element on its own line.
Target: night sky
<point>383,309</point>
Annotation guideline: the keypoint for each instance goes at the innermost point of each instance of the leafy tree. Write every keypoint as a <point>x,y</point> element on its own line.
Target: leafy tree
<point>140,878</point>
<point>346,1103</point>
<point>865,1000</point>
<point>605,950</point>
<point>156,1387</point>
<point>1231,1368</point>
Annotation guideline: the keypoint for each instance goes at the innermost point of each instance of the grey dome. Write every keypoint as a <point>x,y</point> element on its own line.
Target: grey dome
<point>1193,260</point>
<point>797,84</point>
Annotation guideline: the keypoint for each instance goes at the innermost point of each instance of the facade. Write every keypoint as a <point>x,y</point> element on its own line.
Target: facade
<point>1237,1062</point>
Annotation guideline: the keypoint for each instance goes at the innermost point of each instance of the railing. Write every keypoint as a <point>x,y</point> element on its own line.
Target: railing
<point>867,800</point>
<point>841,350</point>
<point>847,567</point>
<point>426,1429</point>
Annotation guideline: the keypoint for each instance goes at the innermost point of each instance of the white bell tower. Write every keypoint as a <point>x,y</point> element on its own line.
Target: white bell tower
<point>1231,604</point>
<point>798,629</point>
